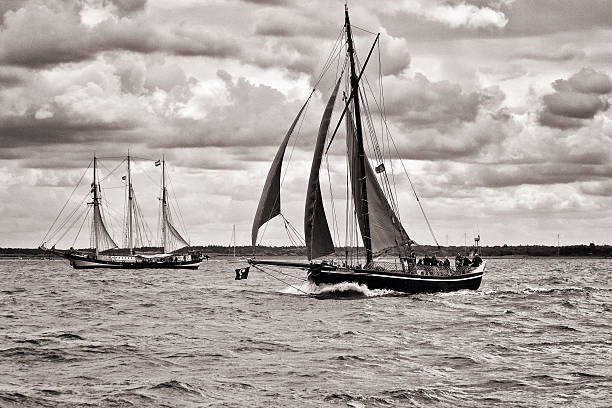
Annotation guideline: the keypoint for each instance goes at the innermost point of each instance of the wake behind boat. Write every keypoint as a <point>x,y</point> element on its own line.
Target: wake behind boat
<point>381,257</point>
<point>105,253</point>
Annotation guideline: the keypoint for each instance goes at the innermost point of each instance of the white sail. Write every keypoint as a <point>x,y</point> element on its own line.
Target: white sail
<point>103,240</point>
<point>172,239</point>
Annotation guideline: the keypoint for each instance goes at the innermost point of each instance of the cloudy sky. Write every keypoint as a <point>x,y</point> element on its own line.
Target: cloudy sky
<point>500,109</point>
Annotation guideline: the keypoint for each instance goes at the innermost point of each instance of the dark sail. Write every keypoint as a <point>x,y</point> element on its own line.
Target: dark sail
<point>385,228</point>
<point>269,202</point>
<point>316,231</point>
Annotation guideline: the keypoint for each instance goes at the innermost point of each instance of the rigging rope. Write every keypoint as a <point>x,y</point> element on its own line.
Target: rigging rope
<point>61,226</point>
<point>81,227</point>
<point>279,279</point>
<point>66,203</point>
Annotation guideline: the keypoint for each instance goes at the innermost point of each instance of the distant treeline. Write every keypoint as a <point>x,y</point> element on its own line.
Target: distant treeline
<point>591,250</point>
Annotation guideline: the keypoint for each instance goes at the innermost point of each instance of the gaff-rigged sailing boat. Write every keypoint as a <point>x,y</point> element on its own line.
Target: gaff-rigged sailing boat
<point>105,253</point>
<point>374,208</point>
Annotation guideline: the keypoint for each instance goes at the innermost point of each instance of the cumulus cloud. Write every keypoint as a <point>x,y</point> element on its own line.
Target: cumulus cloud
<point>246,115</point>
<point>467,15</point>
<point>598,188</point>
<point>577,99</point>
<point>455,14</point>
<point>421,102</point>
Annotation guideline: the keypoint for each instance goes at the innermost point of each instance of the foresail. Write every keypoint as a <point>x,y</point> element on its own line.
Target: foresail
<point>103,239</point>
<point>316,230</point>
<point>385,228</point>
<point>173,240</point>
<point>269,202</point>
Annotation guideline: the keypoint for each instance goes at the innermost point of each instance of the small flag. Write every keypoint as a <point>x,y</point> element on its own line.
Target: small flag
<point>380,168</point>
<point>123,178</point>
<point>158,163</point>
<point>242,273</point>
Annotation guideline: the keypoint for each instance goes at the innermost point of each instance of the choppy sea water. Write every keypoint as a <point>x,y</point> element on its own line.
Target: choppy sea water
<point>537,333</point>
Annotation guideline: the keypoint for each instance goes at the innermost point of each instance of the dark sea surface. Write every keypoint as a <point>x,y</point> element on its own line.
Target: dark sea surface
<point>538,333</point>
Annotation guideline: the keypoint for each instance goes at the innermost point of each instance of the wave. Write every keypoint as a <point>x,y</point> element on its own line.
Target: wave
<point>531,290</point>
<point>69,336</point>
<point>37,354</point>
<point>344,290</point>
<point>174,385</point>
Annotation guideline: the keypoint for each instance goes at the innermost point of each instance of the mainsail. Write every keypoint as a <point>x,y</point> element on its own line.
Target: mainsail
<point>269,202</point>
<point>385,228</point>
<point>316,231</point>
<point>103,240</point>
<point>172,239</point>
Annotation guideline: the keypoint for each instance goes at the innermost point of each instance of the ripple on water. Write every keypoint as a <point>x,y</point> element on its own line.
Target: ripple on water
<point>535,334</point>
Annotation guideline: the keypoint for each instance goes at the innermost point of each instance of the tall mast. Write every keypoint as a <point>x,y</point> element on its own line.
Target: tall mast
<point>96,203</point>
<point>164,204</point>
<point>130,197</point>
<point>367,241</point>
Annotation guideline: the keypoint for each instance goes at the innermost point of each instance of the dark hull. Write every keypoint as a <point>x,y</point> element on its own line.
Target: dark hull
<point>323,273</point>
<point>398,282</point>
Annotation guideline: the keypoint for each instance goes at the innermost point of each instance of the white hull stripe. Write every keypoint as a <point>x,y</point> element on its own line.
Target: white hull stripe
<point>79,262</point>
<point>478,276</point>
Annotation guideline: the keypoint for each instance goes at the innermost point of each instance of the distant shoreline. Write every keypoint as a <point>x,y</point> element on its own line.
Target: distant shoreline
<point>504,251</point>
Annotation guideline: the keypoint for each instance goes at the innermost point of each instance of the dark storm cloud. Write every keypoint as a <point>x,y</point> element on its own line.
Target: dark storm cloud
<point>537,174</point>
<point>23,131</point>
<point>532,17</point>
<point>574,104</point>
<point>524,18</point>
<point>10,78</point>
<point>37,36</point>
<point>565,53</point>
<point>268,2</point>
<point>139,36</point>
<point>577,99</point>
<point>587,81</point>
<point>126,7</point>
<point>297,23</point>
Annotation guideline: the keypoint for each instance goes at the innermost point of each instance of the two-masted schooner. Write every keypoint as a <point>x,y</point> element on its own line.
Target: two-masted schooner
<point>104,252</point>
<point>386,259</point>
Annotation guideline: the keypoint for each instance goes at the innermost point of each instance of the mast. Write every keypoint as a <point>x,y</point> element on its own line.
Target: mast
<point>96,203</point>
<point>130,197</point>
<point>234,239</point>
<point>367,240</point>
<point>164,204</point>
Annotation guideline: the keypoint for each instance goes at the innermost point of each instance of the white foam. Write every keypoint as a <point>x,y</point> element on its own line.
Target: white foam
<point>309,288</point>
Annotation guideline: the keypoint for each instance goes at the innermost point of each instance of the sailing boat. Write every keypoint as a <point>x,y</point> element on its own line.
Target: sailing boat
<point>106,253</point>
<point>375,209</point>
